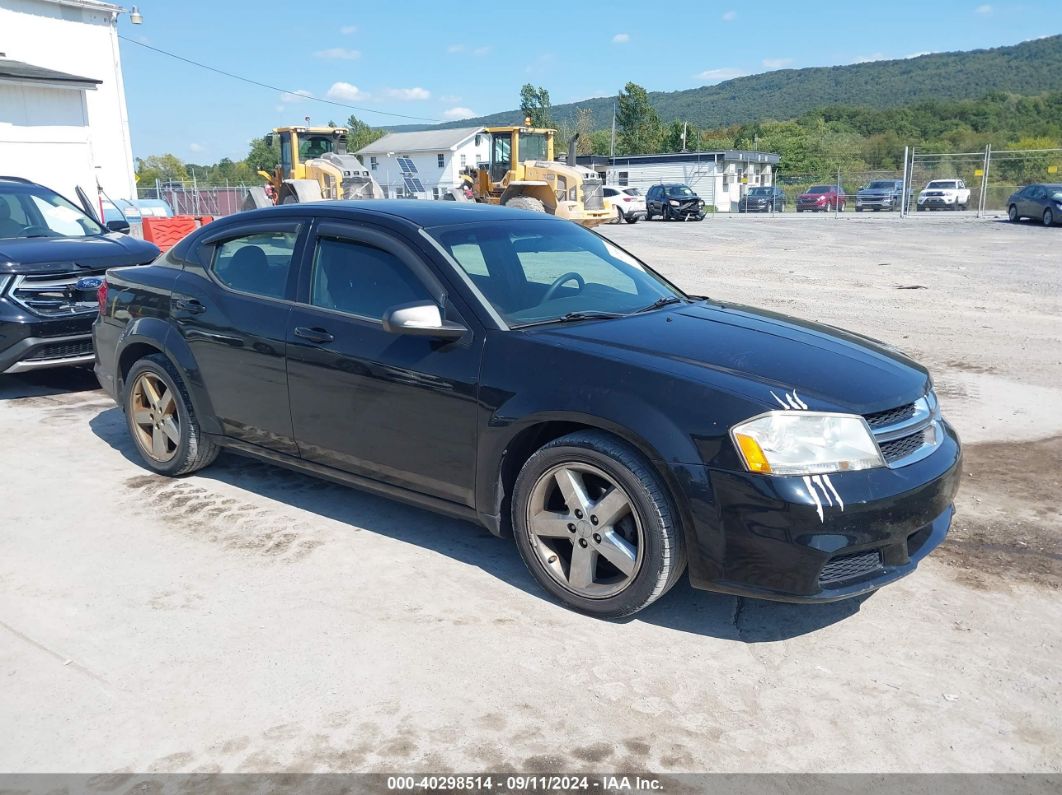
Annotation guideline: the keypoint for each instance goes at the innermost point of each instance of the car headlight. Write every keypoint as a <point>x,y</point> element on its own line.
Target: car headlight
<point>673,203</point>
<point>805,443</point>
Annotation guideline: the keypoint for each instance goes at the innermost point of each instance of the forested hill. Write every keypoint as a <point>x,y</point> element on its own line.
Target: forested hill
<point>1032,67</point>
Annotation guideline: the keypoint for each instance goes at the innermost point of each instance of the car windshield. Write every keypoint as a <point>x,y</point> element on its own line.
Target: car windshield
<point>760,192</point>
<point>535,271</point>
<point>819,189</point>
<point>1055,193</point>
<point>942,184</point>
<point>679,191</point>
<point>881,185</point>
<point>41,213</point>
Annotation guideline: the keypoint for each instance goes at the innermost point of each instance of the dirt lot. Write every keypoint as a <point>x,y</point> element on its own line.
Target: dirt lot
<point>250,619</point>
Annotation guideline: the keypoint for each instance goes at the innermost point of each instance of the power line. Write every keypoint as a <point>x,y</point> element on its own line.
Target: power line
<point>272,88</point>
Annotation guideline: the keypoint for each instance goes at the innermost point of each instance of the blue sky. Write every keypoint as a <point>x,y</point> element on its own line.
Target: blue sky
<point>442,61</point>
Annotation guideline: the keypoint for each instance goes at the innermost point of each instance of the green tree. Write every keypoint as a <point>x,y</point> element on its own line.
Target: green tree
<point>160,167</point>
<point>360,134</point>
<point>680,136</point>
<point>263,155</point>
<point>638,129</point>
<point>534,103</point>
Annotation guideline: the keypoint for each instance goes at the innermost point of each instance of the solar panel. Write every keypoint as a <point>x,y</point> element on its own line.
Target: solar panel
<point>407,166</point>
<point>413,184</point>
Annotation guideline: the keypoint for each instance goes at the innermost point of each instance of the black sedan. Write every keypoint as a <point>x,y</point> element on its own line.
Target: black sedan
<point>1041,202</point>
<point>524,373</point>
<point>763,200</point>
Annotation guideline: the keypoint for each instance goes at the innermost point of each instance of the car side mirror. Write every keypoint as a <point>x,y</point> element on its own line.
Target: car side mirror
<point>421,319</point>
<point>119,225</point>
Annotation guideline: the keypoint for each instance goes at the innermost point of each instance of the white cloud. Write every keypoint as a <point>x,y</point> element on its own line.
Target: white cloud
<point>338,54</point>
<point>458,113</point>
<point>196,147</point>
<point>346,30</point>
<point>777,63</point>
<point>456,48</point>
<point>729,16</point>
<point>621,38</point>
<point>918,54</point>
<point>294,97</point>
<point>346,92</point>
<point>713,76</point>
<point>984,9</point>
<point>877,56</point>
<point>481,50</point>
<point>408,94</point>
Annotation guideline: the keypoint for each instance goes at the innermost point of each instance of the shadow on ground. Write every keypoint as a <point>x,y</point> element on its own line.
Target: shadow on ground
<point>45,383</point>
<point>684,608</point>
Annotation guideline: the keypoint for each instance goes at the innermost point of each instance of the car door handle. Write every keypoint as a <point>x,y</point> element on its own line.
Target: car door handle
<point>189,305</point>
<point>318,335</point>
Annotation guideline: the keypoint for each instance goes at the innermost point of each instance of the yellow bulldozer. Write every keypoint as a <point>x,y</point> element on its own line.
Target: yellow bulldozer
<point>522,173</point>
<point>314,166</point>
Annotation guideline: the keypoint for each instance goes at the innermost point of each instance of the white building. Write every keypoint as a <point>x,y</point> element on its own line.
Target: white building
<point>437,157</point>
<point>63,120</point>
<point>720,178</point>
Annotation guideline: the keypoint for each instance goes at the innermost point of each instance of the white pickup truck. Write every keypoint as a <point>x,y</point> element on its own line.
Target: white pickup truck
<point>944,194</point>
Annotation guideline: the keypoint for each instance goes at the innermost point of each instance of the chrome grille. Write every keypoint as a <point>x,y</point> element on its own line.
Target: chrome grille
<point>890,417</point>
<point>593,194</point>
<point>907,433</point>
<point>55,294</point>
<point>849,567</point>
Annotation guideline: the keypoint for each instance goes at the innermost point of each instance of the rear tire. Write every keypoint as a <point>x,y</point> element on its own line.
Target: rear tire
<point>648,215</point>
<point>1049,217</point>
<point>526,203</point>
<point>631,219</point>
<point>165,432</point>
<point>1012,214</point>
<point>645,538</point>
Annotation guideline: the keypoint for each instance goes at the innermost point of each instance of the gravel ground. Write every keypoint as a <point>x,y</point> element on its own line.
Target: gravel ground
<point>251,619</point>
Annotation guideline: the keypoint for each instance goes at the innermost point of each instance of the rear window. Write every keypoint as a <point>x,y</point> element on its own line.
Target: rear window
<point>258,263</point>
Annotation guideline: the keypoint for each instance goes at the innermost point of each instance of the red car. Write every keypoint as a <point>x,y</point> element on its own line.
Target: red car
<point>821,197</point>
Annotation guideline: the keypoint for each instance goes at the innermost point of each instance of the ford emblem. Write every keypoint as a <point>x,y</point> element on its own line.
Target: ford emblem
<point>89,283</point>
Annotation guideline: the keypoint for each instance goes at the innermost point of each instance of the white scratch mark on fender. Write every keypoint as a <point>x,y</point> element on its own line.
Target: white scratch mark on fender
<point>817,480</point>
<point>781,402</point>
<point>815,496</point>
<point>829,483</point>
<point>796,397</point>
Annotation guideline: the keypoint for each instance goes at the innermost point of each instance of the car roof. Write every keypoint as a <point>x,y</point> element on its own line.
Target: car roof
<point>1052,185</point>
<point>421,213</point>
<point>20,185</point>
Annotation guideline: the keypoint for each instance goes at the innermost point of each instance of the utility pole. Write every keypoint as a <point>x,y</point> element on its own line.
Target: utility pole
<point>684,126</point>
<point>612,146</point>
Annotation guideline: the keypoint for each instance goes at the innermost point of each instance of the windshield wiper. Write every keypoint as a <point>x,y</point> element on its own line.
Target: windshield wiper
<point>571,317</point>
<point>670,299</point>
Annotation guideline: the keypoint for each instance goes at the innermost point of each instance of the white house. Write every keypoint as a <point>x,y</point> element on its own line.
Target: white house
<point>436,157</point>
<point>63,119</point>
<point>720,178</point>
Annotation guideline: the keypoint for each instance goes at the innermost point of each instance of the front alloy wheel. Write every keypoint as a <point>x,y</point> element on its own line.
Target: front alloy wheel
<point>595,526</point>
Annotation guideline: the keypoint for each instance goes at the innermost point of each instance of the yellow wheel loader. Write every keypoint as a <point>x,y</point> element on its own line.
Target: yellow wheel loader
<point>522,173</point>
<point>314,166</point>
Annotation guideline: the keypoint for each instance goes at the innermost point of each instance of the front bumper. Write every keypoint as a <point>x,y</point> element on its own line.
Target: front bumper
<point>875,203</point>
<point>764,536</point>
<point>935,202</point>
<point>33,343</point>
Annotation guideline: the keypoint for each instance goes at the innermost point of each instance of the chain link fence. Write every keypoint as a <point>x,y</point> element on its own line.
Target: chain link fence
<point>191,198</point>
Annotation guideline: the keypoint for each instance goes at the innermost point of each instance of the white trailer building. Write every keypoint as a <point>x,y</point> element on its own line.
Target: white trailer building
<point>720,178</point>
<point>436,158</point>
<point>63,119</point>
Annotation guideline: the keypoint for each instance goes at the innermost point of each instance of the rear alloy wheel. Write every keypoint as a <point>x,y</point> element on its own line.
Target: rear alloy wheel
<point>594,525</point>
<point>161,421</point>
<point>1012,214</point>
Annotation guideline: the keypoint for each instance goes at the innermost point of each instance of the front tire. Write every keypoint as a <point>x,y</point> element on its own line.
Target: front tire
<point>161,420</point>
<point>595,526</point>
<point>631,219</point>
<point>1012,214</point>
<point>1049,217</point>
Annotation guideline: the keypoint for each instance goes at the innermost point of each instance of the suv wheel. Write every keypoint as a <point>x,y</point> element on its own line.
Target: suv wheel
<point>159,414</point>
<point>595,526</point>
<point>1049,217</point>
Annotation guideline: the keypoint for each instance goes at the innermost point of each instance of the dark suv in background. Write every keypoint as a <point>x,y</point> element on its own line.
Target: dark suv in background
<point>52,260</point>
<point>881,194</point>
<point>763,200</point>
<point>673,202</point>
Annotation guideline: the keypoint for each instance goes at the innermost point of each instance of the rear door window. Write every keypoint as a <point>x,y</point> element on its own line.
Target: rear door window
<point>258,263</point>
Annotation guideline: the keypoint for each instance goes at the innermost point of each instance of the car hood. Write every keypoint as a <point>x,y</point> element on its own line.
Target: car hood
<point>45,254</point>
<point>684,199</point>
<point>815,196</point>
<point>756,353</point>
<point>874,192</point>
